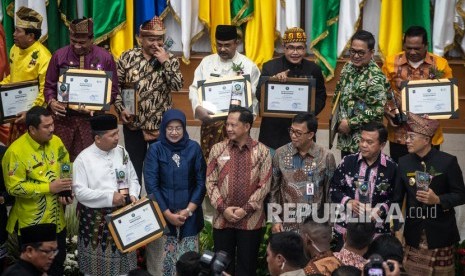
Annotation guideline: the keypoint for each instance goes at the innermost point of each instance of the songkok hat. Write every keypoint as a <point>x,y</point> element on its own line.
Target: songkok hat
<point>38,233</point>
<point>421,125</point>
<point>79,27</point>
<point>225,32</point>
<point>25,19</point>
<point>104,122</point>
<point>294,35</point>
<point>153,27</point>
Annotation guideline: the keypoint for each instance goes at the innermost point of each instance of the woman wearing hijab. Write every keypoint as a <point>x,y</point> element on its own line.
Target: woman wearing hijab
<point>174,172</point>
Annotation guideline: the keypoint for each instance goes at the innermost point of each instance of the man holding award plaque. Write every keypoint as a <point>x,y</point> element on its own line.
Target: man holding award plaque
<point>32,168</point>
<point>414,63</point>
<point>363,182</point>
<point>28,61</point>
<point>146,75</point>
<point>71,125</point>
<point>226,62</point>
<point>433,183</point>
<point>103,181</point>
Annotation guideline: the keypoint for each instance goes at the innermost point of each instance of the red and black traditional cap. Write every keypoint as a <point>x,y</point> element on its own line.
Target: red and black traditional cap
<point>418,124</point>
<point>154,27</point>
<point>82,27</point>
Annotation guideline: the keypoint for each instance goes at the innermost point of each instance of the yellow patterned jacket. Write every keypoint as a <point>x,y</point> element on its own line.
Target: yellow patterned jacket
<point>28,169</point>
<point>29,64</point>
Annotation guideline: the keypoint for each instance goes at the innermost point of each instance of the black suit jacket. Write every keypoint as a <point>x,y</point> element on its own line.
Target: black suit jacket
<point>438,220</point>
<point>273,131</point>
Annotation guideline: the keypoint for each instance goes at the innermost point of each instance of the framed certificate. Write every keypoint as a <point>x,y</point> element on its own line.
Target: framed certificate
<point>217,94</point>
<point>130,98</point>
<point>333,121</point>
<point>436,98</point>
<point>91,88</point>
<point>285,100</point>
<point>17,97</point>
<point>137,224</point>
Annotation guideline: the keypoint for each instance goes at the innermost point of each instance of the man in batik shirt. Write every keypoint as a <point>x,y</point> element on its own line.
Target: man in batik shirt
<point>301,173</point>
<point>73,126</point>
<point>362,88</point>
<point>153,73</point>
<point>28,61</point>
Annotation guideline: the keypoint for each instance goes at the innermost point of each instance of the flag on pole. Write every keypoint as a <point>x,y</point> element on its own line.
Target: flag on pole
<point>287,15</point>
<point>123,39</point>
<point>417,13</point>
<point>371,14</point>
<point>349,21</point>
<point>59,14</point>
<point>107,23</point>
<point>443,27</point>
<point>241,11</point>
<point>213,13</point>
<point>390,28</point>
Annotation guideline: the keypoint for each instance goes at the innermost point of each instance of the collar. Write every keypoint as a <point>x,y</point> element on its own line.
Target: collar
<point>428,156</point>
<point>98,151</point>
<point>312,151</point>
<point>248,144</point>
<point>36,146</point>
<point>403,59</point>
<point>381,160</point>
<point>30,49</point>
<point>322,255</point>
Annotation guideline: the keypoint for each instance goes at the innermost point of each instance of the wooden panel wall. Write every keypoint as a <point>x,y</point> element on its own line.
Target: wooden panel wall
<point>181,98</point>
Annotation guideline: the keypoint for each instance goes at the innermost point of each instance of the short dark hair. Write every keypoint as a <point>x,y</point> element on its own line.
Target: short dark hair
<point>245,116</point>
<point>99,133</point>
<point>388,247</point>
<point>346,270</point>
<point>33,116</point>
<point>308,118</point>
<point>378,127</point>
<point>290,245</point>
<point>415,31</point>
<point>359,234</point>
<point>188,264</point>
<point>365,36</point>
<point>34,245</point>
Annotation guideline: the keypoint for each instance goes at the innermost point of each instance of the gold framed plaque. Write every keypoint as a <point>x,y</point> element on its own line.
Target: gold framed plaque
<point>218,94</point>
<point>439,99</point>
<point>17,97</point>
<point>285,100</point>
<point>91,88</point>
<point>136,225</point>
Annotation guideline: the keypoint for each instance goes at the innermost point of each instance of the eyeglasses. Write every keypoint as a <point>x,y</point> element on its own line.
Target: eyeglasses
<point>354,52</point>
<point>292,48</point>
<point>173,129</point>
<point>49,253</point>
<point>296,132</point>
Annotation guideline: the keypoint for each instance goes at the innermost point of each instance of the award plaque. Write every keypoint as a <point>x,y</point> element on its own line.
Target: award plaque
<point>66,171</point>
<point>218,94</point>
<point>422,179</point>
<point>137,224</point>
<point>286,99</point>
<point>436,98</point>
<point>89,88</point>
<point>17,97</point>
<point>130,98</point>
<point>334,121</point>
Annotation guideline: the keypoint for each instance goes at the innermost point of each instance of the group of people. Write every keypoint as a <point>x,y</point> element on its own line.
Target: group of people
<point>285,177</point>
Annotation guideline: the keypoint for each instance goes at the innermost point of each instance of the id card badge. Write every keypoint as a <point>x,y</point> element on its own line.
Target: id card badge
<point>310,189</point>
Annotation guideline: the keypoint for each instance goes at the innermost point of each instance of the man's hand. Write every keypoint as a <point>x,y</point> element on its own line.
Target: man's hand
<point>229,214</point>
<point>57,108</point>
<point>20,117</point>
<point>389,114</point>
<point>395,271</point>
<point>133,199</point>
<point>241,213</point>
<point>60,185</point>
<point>161,54</point>
<point>277,227</point>
<point>203,114</point>
<point>174,219</point>
<point>282,76</point>
<point>356,207</point>
<point>428,197</point>
<point>125,116</point>
<point>344,127</point>
<point>118,199</point>
<point>82,109</point>
<point>66,200</point>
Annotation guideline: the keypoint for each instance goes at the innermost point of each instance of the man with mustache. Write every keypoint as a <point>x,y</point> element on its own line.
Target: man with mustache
<point>414,63</point>
<point>72,126</point>
<point>226,62</point>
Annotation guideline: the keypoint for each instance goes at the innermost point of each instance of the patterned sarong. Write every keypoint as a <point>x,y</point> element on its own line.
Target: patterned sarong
<point>210,134</point>
<point>98,254</point>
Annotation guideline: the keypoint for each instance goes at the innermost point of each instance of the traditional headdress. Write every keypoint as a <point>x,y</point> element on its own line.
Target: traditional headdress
<point>23,19</point>
<point>82,27</point>
<point>225,32</point>
<point>421,125</point>
<point>294,35</point>
<point>104,122</point>
<point>154,27</point>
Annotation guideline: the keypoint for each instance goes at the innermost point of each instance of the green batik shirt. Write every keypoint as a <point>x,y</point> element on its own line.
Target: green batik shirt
<point>28,170</point>
<point>362,100</point>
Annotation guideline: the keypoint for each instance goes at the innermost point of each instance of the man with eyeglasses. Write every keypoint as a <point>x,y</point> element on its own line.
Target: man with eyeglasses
<point>302,170</point>
<point>363,182</point>
<point>38,250</point>
<point>293,64</point>
<point>433,183</point>
<point>413,63</point>
<point>362,88</point>
<point>226,62</point>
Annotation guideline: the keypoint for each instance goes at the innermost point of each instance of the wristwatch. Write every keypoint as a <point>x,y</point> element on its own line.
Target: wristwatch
<point>189,212</point>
